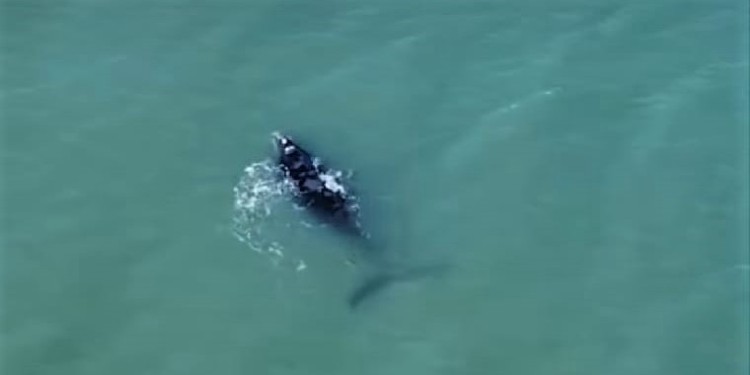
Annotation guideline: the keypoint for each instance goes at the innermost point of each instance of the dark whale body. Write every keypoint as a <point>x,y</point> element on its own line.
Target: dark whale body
<point>317,188</point>
<point>321,192</point>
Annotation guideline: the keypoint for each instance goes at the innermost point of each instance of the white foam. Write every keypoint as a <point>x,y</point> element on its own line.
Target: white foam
<point>301,266</point>
<point>256,195</point>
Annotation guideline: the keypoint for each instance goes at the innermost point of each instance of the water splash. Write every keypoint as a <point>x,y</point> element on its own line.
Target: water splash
<point>257,193</point>
<point>257,198</point>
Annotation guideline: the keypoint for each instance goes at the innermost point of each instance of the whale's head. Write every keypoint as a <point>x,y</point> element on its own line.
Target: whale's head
<point>284,145</point>
<point>292,157</point>
<point>280,141</point>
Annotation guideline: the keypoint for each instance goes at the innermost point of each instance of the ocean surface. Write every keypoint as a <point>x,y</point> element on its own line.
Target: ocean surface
<point>580,167</point>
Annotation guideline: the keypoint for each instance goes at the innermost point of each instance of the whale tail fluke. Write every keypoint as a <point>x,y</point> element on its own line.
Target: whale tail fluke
<point>375,284</point>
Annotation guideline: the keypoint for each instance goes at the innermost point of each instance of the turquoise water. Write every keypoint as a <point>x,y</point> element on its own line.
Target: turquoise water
<point>580,165</point>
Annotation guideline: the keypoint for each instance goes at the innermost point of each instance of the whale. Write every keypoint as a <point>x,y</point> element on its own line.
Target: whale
<point>320,190</point>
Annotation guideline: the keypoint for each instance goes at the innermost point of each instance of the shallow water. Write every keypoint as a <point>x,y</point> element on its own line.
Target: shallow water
<point>582,167</point>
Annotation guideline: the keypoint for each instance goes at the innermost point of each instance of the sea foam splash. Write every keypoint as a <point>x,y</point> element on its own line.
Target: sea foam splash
<point>256,194</point>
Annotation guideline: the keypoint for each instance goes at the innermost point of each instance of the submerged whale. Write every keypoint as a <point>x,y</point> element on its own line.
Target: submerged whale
<point>320,190</point>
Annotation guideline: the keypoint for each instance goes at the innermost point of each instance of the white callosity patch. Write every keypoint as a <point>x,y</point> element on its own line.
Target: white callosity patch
<point>331,182</point>
<point>277,136</point>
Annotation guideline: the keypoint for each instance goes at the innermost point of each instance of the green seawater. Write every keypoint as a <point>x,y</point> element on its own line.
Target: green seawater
<point>581,166</point>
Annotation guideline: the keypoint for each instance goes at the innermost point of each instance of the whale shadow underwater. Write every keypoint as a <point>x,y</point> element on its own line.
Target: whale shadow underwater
<point>320,191</point>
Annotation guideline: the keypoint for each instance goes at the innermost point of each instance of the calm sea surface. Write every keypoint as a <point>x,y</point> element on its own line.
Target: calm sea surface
<point>581,167</point>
